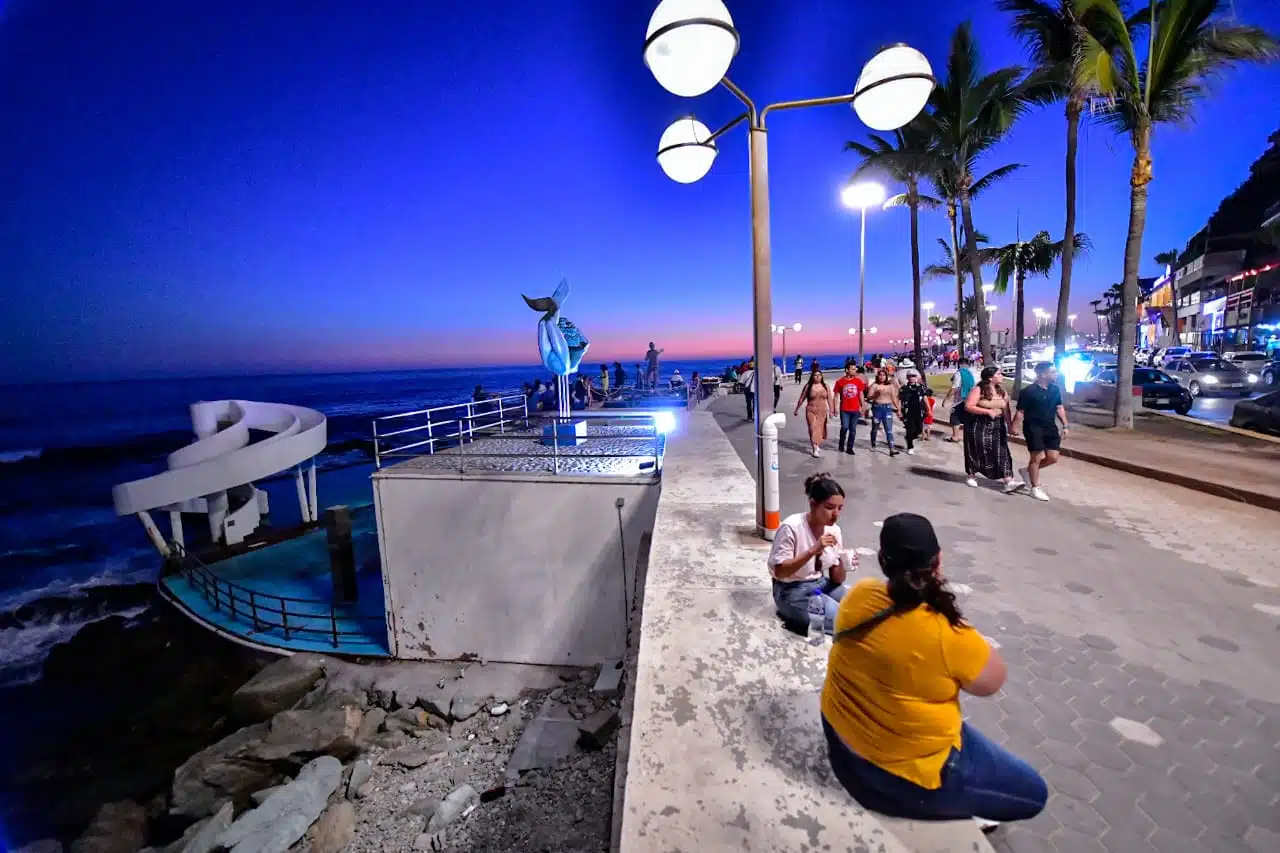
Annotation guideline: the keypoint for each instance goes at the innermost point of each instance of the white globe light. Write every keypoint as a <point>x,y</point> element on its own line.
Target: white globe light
<point>853,331</point>
<point>684,152</point>
<point>872,330</point>
<point>796,327</point>
<point>689,45</point>
<point>862,195</point>
<point>893,88</point>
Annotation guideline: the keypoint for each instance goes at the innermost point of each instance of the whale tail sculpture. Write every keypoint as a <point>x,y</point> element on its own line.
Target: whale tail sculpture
<point>560,343</point>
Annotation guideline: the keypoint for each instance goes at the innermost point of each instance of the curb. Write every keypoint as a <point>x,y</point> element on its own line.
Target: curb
<point>1258,499</point>
<point>1244,496</point>
<point>1246,433</point>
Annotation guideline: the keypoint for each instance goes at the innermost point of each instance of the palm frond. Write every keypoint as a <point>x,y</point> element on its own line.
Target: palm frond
<point>991,177</point>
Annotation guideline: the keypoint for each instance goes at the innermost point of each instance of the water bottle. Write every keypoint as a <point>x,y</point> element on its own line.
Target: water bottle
<point>817,618</point>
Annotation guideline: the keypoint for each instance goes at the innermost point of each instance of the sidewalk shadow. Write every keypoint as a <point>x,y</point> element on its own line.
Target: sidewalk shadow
<point>948,476</point>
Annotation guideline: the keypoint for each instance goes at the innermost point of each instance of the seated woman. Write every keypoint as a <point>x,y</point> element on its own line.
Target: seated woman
<point>890,706</point>
<point>806,555</point>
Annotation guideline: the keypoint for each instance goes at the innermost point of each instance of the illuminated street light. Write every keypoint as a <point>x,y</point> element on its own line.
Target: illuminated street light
<point>780,329</point>
<point>689,46</point>
<point>859,197</point>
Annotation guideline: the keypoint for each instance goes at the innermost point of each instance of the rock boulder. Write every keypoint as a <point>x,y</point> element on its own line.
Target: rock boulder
<point>219,773</point>
<point>116,828</point>
<point>335,828</point>
<point>277,687</point>
<point>306,734</point>
<point>278,823</point>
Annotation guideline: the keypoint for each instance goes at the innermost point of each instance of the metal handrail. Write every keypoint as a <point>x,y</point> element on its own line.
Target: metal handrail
<point>471,418</point>
<point>470,447</point>
<point>258,605</point>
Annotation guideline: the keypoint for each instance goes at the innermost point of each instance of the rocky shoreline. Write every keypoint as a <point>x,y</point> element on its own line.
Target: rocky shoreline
<point>322,756</point>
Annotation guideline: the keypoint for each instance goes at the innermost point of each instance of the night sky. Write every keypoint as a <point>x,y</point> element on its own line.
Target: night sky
<point>194,187</point>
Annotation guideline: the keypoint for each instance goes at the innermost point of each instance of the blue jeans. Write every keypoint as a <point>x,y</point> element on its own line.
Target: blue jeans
<point>882,416</point>
<point>980,779</point>
<point>792,600</point>
<point>849,427</point>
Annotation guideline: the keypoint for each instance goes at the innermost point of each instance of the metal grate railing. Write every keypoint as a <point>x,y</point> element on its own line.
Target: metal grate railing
<point>265,611</point>
<point>427,430</point>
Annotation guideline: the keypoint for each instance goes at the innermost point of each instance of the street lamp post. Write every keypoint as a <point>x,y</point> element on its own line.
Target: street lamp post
<point>782,330</point>
<point>689,46</point>
<point>859,197</point>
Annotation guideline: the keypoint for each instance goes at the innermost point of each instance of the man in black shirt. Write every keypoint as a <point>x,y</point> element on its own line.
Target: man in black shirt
<point>1039,411</point>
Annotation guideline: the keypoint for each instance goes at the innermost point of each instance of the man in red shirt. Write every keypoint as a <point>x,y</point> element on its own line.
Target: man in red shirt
<point>849,390</point>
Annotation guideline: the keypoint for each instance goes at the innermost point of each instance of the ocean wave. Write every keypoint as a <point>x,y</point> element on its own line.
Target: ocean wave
<point>23,648</point>
<point>11,456</point>
<point>124,568</point>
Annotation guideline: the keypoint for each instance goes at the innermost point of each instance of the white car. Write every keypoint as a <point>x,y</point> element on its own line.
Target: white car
<point>1252,363</point>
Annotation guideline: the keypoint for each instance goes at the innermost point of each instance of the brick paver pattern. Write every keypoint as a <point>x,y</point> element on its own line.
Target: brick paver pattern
<point>1140,622</point>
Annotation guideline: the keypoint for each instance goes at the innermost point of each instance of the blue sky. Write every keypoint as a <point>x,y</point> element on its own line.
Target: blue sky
<point>261,186</point>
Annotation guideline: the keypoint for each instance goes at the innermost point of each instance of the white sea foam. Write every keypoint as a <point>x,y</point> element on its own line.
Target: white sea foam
<point>19,455</point>
<point>23,650</point>
<point>127,567</point>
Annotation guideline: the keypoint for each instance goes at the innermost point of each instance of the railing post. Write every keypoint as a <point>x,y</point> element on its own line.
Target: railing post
<point>502,416</point>
<point>333,624</point>
<point>555,445</point>
<point>253,609</point>
<point>377,453</point>
<point>462,450</point>
<point>431,440</point>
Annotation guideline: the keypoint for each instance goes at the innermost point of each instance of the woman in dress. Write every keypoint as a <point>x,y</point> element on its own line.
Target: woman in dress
<point>986,435</point>
<point>902,655</point>
<point>883,398</point>
<point>816,398</point>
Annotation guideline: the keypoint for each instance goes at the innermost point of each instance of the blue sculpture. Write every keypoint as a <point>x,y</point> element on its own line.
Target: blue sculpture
<point>562,347</point>
<point>560,343</point>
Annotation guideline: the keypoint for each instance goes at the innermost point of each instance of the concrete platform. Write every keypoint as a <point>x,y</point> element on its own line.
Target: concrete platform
<point>726,749</point>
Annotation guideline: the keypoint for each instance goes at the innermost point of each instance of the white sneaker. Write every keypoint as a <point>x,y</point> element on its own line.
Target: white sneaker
<point>985,825</point>
<point>1039,494</point>
<point>816,453</point>
<point>911,451</point>
<point>1013,486</point>
<point>971,482</point>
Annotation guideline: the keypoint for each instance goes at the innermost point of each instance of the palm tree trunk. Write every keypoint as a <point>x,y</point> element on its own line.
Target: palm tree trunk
<point>1138,181</point>
<point>975,271</point>
<point>1074,108</point>
<point>913,205</point>
<point>1019,327</point>
<point>955,262</point>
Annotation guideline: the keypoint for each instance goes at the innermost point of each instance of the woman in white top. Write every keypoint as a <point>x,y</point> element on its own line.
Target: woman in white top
<point>806,555</point>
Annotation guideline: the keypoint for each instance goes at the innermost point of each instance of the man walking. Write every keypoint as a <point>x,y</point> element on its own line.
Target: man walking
<point>850,391</point>
<point>1040,410</point>
<point>799,369</point>
<point>962,382</point>
<point>777,385</point>
<point>748,381</point>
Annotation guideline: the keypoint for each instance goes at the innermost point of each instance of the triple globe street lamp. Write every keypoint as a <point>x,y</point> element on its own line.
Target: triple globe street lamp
<point>780,329</point>
<point>689,47</point>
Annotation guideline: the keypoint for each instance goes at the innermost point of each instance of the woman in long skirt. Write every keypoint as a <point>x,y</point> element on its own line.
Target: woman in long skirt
<point>986,433</point>
<point>816,398</point>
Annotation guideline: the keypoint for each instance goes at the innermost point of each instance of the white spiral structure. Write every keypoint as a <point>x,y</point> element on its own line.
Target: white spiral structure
<point>215,473</point>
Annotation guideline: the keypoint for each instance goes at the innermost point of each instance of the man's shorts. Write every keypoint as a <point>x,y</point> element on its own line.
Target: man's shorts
<point>957,415</point>
<point>1041,438</point>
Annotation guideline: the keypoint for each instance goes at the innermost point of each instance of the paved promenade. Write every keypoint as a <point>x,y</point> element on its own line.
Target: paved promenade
<point>1141,624</point>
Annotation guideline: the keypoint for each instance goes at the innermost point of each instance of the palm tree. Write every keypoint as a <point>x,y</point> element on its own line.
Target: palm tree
<point>969,112</point>
<point>1051,31</point>
<point>1188,46</point>
<point>1017,260</point>
<point>908,162</point>
<point>948,268</point>
<point>1166,259</point>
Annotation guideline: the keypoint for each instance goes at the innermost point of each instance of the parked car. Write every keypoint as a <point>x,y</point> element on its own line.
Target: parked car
<point>1252,363</point>
<point>1270,374</point>
<point>1209,376</point>
<point>1261,414</point>
<point>1157,389</point>
<point>1162,357</point>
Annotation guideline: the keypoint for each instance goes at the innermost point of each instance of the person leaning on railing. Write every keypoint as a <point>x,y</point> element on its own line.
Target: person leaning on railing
<point>890,706</point>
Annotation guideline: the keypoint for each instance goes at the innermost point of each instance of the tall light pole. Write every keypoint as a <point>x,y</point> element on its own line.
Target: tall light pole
<point>859,197</point>
<point>782,330</point>
<point>688,47</point>
<point>927,308</point>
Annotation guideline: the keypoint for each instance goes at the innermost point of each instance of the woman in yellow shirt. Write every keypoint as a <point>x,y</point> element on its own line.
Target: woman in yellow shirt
<point>890,705</point>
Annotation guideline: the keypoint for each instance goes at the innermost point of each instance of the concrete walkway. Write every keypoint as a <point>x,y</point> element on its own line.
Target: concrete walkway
<point>1140,621</point>
<point>726,751</point>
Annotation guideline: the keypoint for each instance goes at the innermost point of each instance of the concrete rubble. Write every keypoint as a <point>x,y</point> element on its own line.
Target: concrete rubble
<point>338,758</point>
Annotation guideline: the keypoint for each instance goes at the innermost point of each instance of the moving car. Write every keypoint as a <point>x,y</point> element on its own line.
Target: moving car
<point>1209,376</point>
<point>1162,357</point>
<point>1252,363</point>
<point>1261,414</point>
<point>1157,389</point>
<point>1270,375</point>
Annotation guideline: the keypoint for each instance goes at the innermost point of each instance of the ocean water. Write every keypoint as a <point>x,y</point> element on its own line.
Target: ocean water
<point>63,552</point>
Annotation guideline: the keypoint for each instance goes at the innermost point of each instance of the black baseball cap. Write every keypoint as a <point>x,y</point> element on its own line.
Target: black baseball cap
<point>907,541</point>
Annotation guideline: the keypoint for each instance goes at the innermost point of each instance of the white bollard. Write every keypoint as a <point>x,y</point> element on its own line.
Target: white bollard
<point>772,498</point>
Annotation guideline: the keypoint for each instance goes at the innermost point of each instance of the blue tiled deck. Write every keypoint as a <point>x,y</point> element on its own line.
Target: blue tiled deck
<point>299,568</point>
